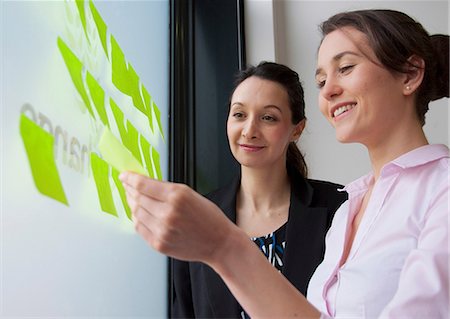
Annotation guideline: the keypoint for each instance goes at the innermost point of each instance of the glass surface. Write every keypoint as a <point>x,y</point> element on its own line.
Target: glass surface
<point>68,71</point>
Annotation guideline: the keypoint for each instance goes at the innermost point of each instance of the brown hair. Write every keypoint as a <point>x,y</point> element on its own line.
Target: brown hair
<point>394,38</point>
<point>290,81</point>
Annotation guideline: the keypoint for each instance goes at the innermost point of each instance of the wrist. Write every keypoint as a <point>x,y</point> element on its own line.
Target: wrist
<point>224,260</point>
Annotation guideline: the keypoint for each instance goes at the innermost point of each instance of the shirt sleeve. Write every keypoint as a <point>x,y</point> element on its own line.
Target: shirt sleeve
<point>423,290</point>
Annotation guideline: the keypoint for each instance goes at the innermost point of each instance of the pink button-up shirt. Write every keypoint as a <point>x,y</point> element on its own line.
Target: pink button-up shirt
<point>398,266</point>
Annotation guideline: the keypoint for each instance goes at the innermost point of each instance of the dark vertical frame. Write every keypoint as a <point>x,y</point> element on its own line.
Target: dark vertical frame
<point>181,109</point>
<point>207,47</point>
<point>181,106</point>
<point>219,54</point>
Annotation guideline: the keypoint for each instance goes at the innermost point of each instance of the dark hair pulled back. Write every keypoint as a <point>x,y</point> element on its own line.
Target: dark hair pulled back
<point>290,80</point>
<point>395,37</point>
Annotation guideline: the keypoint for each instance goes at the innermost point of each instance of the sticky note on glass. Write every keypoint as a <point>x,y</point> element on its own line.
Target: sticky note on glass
<point>39,146</point>
<point>117,155</point>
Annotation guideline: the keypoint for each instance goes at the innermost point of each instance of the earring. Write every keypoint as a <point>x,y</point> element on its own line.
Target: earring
<point>408,87</point>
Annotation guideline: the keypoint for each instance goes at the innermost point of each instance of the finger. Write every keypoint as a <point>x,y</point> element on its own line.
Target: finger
<point>131,192</point>
<point>139,201</point>
<point>161,212</point>
<point>143,231</point>
<point>131,198</point>
<point>151,229</point>
<point>138,181</point>
<point>145,185</point>
<point>144,222</point>
<point>144,217</point>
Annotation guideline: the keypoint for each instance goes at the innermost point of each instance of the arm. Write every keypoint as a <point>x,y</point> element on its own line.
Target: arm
<point>173,219</point>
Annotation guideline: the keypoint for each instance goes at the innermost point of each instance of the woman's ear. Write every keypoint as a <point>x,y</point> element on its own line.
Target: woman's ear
<point>415,70</point>
<point>298,129</point>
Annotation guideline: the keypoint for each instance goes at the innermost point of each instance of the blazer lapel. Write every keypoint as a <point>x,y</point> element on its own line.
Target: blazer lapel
<point>223,304</point>
<point>304,235</point>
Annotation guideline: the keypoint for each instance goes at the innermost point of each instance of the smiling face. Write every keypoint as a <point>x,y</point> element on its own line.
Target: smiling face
<point>259,125</point>
<point>358,96</point>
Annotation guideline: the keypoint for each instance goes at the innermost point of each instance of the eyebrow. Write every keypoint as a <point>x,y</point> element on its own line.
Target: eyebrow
<point>269,106</point>
<point>337,57</point>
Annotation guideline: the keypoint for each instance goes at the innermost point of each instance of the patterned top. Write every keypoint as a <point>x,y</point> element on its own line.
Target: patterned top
<point>272,246</point>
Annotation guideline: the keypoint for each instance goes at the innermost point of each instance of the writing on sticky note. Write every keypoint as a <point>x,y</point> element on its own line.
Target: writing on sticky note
<point>117,155</point>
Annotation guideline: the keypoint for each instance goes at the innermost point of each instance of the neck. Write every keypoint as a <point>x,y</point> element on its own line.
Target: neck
<point>264,189</point>
<point>396,145</point>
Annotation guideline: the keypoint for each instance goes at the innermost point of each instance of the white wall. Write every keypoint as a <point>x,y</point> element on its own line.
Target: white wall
<point>259,30</point>
<point>295,33</point>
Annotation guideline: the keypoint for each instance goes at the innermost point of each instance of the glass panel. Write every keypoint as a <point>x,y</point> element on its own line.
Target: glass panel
<point>72,73</point>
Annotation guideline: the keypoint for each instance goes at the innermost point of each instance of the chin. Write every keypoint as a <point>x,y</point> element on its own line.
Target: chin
<point>344,138</point>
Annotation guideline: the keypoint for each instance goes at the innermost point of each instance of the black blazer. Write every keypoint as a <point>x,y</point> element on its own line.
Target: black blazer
<point>198,292</point>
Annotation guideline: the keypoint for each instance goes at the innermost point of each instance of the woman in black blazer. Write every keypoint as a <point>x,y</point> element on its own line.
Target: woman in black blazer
<point>283,212</point>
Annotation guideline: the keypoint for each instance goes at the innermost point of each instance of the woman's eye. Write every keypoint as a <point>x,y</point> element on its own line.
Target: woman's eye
<point>345,68</point>
<point>238,115</point>
<point>320,84</point>
<point>269,118</point>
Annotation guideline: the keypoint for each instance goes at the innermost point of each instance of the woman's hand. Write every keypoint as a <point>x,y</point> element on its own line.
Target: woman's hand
<point>175,220</point>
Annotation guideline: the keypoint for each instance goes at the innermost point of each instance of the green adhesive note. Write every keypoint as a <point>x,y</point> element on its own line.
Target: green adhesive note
<point>39,146</point>
<point>121,189</point>
<point>100,170</point>
<point>145,146</point>
<point>101,27</point>
<point>158,117</point>
<point>117,155</point>
<point>128,133</point>
<point>98,97</point>
<point>155,158</point>
<point>124,77</point>
<point>148,110</point>
<point>80,6</point>
<point>75,68</point>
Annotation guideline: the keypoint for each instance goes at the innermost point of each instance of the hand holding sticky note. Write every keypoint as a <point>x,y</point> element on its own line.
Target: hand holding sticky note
<point>117,155</point>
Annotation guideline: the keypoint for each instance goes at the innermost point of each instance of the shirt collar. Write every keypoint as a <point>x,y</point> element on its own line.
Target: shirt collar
<point>419,156</point>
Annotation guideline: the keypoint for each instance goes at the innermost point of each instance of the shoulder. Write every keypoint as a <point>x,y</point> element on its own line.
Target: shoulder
<point>224,192</point>
<point>443,165</point>
<point>225,197</point>
<point>325,185</point>
<point>327,193</point>
<point>326,188</point>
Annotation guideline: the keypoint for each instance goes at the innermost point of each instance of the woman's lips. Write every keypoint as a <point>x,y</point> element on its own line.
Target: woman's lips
<point>342,110</point>
<point>250,148</point>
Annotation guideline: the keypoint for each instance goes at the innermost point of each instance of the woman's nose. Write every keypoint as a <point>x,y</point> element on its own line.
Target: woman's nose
<point>250,129</point>
<point>331,89</point>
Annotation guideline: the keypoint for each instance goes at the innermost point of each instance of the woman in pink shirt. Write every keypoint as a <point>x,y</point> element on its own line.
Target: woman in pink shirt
<point>387,251</point>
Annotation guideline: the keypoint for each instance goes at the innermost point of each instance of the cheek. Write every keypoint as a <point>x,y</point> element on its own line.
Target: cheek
<point>280,136</point>
<point>228,124</point>
<point>323,106</point>
<point>231,129</point>
<point>230,138</point>
<point>365,86</point>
